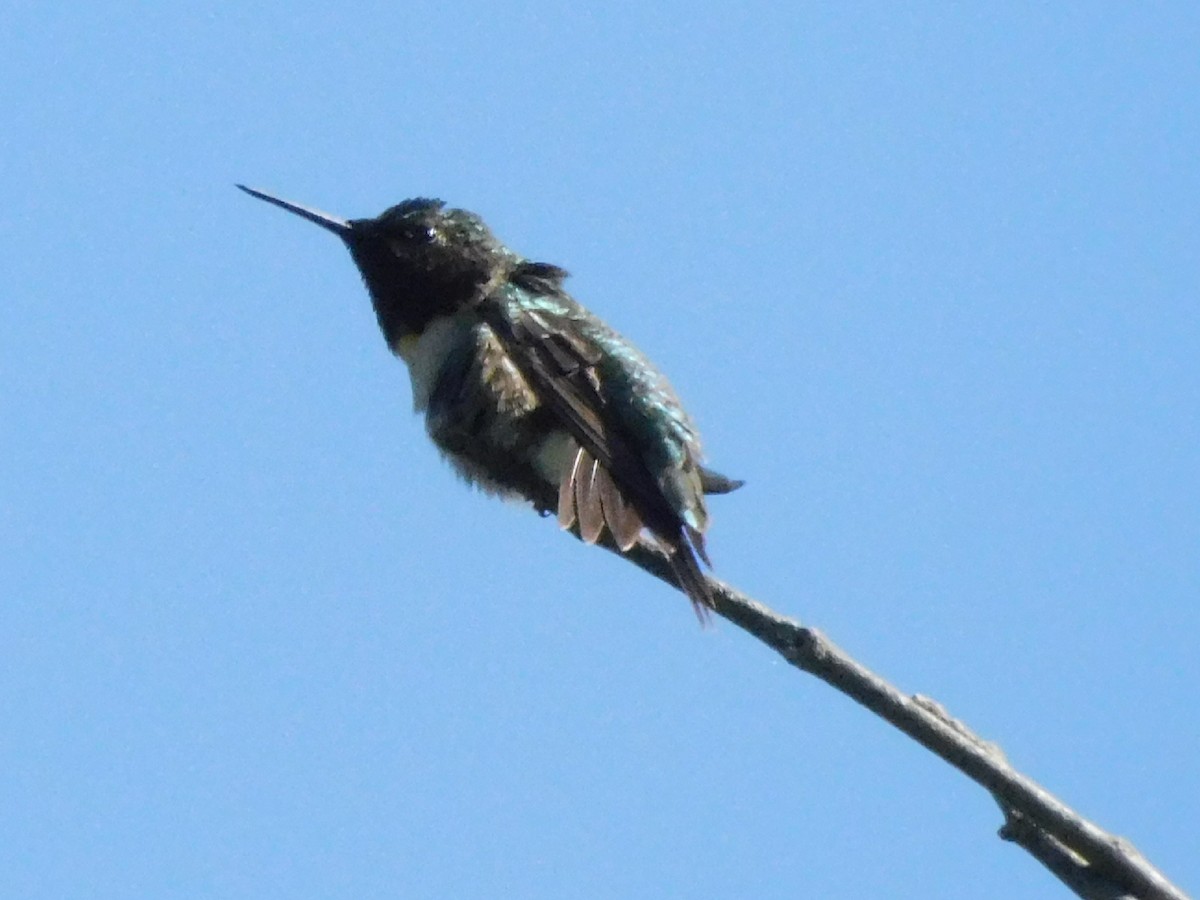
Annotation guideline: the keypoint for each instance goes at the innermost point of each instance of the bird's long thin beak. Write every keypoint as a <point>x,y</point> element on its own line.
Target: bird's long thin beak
<point>340,227</point>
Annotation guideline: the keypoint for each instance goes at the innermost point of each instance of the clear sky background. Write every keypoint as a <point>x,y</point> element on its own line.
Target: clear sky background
<point>926,278</point>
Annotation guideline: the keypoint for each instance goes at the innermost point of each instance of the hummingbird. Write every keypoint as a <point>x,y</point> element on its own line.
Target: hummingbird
<point>528,394</point>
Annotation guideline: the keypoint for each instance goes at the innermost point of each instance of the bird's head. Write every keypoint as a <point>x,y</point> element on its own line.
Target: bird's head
<point>419,260</point>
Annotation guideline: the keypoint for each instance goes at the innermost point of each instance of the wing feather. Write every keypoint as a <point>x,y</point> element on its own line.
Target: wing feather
<point>566,493</point>
<point>620,517</point>
<point>587,502</point>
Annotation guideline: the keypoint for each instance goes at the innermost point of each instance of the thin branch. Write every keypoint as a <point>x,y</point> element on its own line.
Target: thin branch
<point>1093,863</point>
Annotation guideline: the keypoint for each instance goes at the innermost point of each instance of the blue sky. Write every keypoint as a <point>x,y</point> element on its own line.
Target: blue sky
<point>926,278</point>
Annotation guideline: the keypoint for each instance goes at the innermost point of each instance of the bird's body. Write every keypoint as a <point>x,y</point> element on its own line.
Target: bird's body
<point>528,394</point>
<point>481,412</point>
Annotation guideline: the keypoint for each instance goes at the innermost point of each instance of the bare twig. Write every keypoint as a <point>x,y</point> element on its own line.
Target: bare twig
<point>1091,862</point>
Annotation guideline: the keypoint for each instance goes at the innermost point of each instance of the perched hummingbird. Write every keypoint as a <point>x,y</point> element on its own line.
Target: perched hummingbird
<point>527,393</point>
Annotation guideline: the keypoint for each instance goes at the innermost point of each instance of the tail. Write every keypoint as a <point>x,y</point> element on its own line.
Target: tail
<point>692,580</point>
<point>712,482</point>
<point>590,501</point>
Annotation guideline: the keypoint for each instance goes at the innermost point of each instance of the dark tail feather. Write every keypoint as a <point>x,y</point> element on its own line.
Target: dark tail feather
<point>697,541</point>
<point>692,581</point>
<point>715,483</point>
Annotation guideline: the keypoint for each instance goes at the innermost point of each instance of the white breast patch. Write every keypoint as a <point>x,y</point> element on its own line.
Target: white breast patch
<point>426,353</point>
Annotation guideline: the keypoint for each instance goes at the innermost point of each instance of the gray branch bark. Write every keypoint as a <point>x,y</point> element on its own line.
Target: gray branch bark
<point>1091,862</point>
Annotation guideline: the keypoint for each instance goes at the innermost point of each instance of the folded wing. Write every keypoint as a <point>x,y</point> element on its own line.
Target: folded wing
<point>608,486</point>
